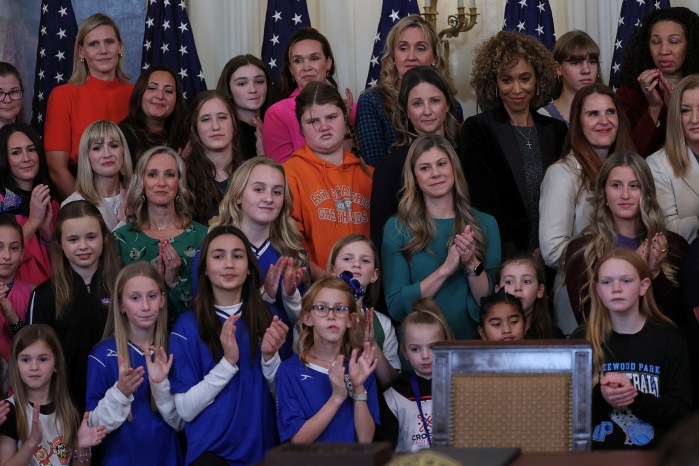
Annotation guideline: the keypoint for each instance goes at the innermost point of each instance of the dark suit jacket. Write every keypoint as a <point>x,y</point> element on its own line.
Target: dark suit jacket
<point>386,183</point>
<point>494,169</point>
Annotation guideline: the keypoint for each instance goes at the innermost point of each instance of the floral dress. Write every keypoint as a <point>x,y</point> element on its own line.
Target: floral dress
<point>134,245</point>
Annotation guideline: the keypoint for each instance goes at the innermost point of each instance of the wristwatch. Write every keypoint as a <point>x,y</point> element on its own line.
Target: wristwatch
<point>476,271</point>
<point>359,396</point>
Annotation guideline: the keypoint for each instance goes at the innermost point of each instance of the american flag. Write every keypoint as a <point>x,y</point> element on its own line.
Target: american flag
<point>283,18</point>
<point>391,12</point>
<point>168,40</point>
<point>54,54</point>
<point>632,12</point>
<point>531,17</point>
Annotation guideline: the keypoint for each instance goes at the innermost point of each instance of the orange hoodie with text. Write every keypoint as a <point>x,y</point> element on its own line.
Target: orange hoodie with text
<point>330,201</point>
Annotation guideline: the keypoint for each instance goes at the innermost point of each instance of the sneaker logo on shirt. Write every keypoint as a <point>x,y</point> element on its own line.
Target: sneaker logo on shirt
<point>112,353</point>
<point>306,376</point>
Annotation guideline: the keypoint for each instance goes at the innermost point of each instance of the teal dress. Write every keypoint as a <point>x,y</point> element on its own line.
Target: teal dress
<point>134,245</point>
<point>402,278</point>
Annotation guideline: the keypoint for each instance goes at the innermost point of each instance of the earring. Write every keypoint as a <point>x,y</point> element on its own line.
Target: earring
<point>121,55</point>
<point>559,78</point>
<point>82,60</point>
<point>497,92</point>
<point>537,89</point>
<point>293,80</point>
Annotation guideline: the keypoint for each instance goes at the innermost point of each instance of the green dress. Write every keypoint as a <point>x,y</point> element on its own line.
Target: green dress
<point>134,245</point>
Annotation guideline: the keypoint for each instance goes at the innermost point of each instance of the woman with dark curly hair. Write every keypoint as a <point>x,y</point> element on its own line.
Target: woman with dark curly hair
<point>510,145</point>
<point>661,52</point>
<point>157,112</point>
<point>411,42</point>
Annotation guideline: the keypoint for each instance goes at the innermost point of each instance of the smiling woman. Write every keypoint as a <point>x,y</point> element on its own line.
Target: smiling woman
<point>25,192</point>
<point>97,90</point>
<point>160,228</point>
<point>509,146</point>
<point>598,128</point>
<point>157,112</point>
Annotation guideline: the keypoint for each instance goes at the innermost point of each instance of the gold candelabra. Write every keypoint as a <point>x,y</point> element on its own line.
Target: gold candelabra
<point>458,23</point>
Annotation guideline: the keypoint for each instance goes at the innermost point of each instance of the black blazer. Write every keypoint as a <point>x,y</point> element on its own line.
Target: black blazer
<point>494,169</point>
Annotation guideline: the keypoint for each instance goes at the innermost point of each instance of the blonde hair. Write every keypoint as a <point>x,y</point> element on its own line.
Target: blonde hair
<point>67,418</point>
<point>97,132</point>
<point>118,322</point>
<point>350,339</point>
<point>136,202</point>
<point>284,233</point>
<point>80,70</point>
<point>426,311</point>
<point>412,211</point>
<point>601,227</point>
<point>599,325</point>
<point>389,80</point>
<point>676,144</point>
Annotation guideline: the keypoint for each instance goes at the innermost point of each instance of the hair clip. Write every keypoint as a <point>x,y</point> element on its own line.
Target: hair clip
<point>357,290</point>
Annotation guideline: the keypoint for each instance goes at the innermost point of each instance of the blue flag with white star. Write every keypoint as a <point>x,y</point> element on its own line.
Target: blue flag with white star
<point>632,12</point>
<point>391,12</point>
<point>283,18</point>
<point>168,40</point>
<point>54,55</point>
<point>531,17</point>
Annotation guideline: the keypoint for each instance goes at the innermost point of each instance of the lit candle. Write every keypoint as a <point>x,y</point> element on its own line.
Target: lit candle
<point>460,4</point>
<point>428,3</point>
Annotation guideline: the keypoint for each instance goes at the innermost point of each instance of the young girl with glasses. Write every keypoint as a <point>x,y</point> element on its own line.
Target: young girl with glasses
<point>320,397</point>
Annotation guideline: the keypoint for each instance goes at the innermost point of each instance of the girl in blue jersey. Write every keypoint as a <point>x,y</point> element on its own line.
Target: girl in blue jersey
<point>43,427</point>
<point>320,398</point>
<point>127,386</point>
<point>226,356</point>
<point>642,380</point>
<point>258,201</point>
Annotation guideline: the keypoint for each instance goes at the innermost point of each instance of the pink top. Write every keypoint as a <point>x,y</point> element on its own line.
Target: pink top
<point>35,267</point>
<point>19,298</point>
<point>281,134</point>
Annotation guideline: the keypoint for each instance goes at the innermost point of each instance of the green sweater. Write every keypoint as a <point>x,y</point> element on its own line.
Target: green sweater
<point>402,278</point>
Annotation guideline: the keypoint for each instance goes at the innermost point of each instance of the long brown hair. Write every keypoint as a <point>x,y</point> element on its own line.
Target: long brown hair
<point>255,312</point>
<point>107,267</point>
<point>412,211</point>
<point>67,418</point>
<point>576,142</point>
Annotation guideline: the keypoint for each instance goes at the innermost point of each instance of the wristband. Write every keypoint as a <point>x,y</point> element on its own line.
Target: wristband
<point>82,457</point>
<point>17,326</point>
<point>359,396</point>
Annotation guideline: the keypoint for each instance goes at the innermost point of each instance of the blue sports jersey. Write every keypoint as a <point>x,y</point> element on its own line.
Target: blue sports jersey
<point>146,439</point>
<point>301,393</point>
<point>239,425</point>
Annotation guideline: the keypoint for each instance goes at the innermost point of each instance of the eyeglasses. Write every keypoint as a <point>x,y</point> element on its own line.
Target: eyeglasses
<point>15,94</point>
<point>322,310</point>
